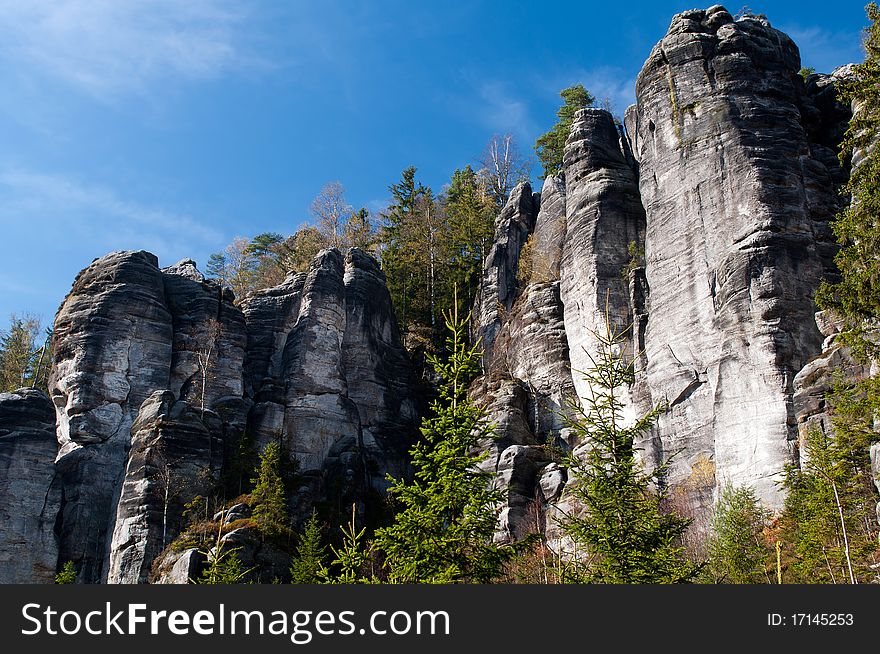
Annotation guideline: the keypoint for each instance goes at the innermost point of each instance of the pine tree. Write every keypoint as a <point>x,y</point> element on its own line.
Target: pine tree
<point>737,549</point>
<point>404,259</point>
<point>350,558</point>
<point>268,499</point>
<point>856,296</point>
<point>308,565</point>
<point>358,231</point>
<point>829,513</point>
<point>448,512</point>
<point>623,535</point>
<point>224,567</point>
<point>21,355</point>
<point>470,214</point>
<point>550,146</point>
<point>67,575</point>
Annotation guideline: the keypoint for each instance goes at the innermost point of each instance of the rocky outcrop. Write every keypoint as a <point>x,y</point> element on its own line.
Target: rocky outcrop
<point>159,374</point>
<point>113,348</point>
<point>30,491</point>
<point>605,231</point>
<point>736,204</point>
<point>176,454</point>
<point>329,375</point>
<point>498,286</point>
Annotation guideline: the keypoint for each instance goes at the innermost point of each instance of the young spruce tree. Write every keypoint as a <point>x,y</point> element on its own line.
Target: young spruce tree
<point>309,563</point>
<point>738,551</point>
<point>268,499</point>
<point>622,535</point>
<point>448,513</point>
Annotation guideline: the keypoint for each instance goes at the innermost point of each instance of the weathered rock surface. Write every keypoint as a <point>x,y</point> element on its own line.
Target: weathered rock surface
<point>158,366</point>
<point>175,455</point>
<point>735,203</point>
<point>498,286</point>
<point>113,348</point>
<point>606,222</point>
<point>329,375</point>
<point>30,491</point>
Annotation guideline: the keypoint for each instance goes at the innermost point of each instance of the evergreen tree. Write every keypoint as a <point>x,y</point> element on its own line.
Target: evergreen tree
<point>23,360</point>
<point>67,575</point>
<point>350,558</point>
<point>404,257</point>
<point>856,296</point>
<point>224,567</point>
<point>308,565</point>
<point>737,549</point>
<point>829,513</point>
<point>622,535</point>
<point>550,146</point>
<point>358,231</point>
<point>268,499</point>
<point>470,215</point>
<point>448,512</point>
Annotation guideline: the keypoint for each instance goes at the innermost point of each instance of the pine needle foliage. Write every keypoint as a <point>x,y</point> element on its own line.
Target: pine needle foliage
<point>67,575</point>
<point>444,530</point>
<point>311,553</point>
<point>622,535</point>
<point>738,551</point>
<point>856,296</point>
<point>268,499</point>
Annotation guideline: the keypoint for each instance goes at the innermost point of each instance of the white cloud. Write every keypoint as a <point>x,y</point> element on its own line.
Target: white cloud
<point>95,217</point>
<point>502,111</point>
<point>109,47</point>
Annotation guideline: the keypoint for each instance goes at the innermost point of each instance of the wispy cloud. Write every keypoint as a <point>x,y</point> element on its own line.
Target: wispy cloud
<point>610,85</point>
<point>824,49</point>
<point>49,205</point>
<point>503,111</point>
<point>107,47</point>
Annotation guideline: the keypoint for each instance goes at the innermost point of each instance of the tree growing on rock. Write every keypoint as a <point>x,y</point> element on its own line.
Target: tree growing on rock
<point>622,535</point>
<point>23,359</point>
<point>503,167</point>
<point>550,146</point>
<point>330,210</point>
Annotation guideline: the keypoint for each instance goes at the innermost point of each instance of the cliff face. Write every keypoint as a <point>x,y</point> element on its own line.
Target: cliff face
<point>30,489</point>
<point>725,183</point>
<point>158,376</point>
<point>701,231</point>
<point>736,205</point>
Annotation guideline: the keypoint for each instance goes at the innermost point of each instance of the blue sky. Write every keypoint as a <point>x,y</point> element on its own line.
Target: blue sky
<point>175,126</point>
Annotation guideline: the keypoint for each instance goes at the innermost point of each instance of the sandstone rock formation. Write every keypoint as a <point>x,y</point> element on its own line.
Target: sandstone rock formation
<point>159,374</point>
<point>176,453</point>
<point>498,286</point>
<point>327,370</point>
<point>736,206</point>
<point>30,490</point>
<point>704,231</point>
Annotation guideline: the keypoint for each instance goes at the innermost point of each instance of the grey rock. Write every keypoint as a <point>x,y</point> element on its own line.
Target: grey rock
<point>498,286</point>
<point>173,567</point>
<point>113,348</point>
<point>736,203</point>
<point>604,216</point>
<point>125,331</point>
<point>30,490</point>
<point>171,461</point>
